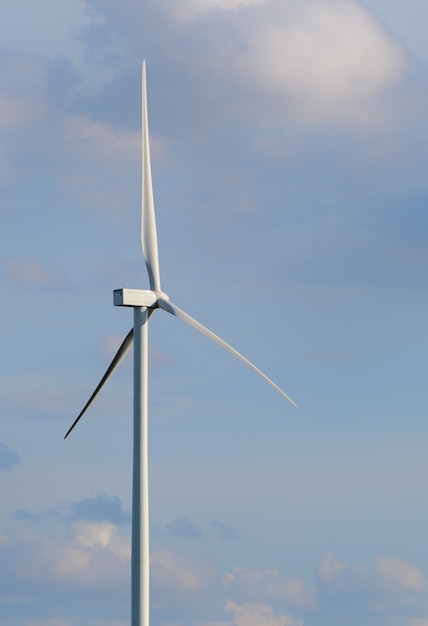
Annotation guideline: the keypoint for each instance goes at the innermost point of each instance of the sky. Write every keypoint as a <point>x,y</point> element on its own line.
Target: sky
<point>289,147</point>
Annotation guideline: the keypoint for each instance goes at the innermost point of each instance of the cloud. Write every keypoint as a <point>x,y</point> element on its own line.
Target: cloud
<point>172,570</point>
<point>35,33</point>
<point>33,272</point>
<point>55,154</point>
<point>388,587</point>
<point>182,527</point>
<point>158,357</point>
<point>397,573</point>
<point>90,534</point>
<point>93,558</point>
<point>92,520</point>
<point>54,621</point>
<point>330,568</point>
<point>8,457</point>
<point>101,141</point>
<point>49,567</point>
<point>16,112</point>
<point>107,346</point>
<point>315,61</point>
<point>115,152</point>
<point>389,572</point>
<point>101,561</point>
<point>189,10</point>
<point>59,621</point>
<point>268,584</point>
<point>225,532</point>
<point>274,61</point>
<point>101,508</point>
<point>258,615</point>
<point>35,400</point>
<point>26,516</point>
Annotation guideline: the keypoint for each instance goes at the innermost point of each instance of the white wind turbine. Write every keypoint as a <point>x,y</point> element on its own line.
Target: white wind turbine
<point>144,303</point>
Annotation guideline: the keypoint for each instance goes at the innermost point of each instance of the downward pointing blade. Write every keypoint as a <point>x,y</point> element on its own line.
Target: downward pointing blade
<point>168,306</point>
<point>149,239</point>
<point>126,344</point>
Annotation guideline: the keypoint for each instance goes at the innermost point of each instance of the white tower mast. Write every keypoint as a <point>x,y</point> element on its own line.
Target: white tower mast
<point>144,303</point>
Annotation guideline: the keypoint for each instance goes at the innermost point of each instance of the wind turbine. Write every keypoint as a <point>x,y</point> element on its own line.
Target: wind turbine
<point>144,303</point>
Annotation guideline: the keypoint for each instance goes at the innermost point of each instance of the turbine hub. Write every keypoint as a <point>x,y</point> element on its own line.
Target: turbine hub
<point>161,295</point>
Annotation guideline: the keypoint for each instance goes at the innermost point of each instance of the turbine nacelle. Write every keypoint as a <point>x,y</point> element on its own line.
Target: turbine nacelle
<point>138,297</point>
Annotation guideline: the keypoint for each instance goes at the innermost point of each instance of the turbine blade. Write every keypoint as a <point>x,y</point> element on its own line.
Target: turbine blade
<point>149,239</point>
<point>126,344</point>
<point>168,306</point>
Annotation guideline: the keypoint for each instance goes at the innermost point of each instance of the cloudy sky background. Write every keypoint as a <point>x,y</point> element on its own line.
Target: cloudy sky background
<point>289,151</point>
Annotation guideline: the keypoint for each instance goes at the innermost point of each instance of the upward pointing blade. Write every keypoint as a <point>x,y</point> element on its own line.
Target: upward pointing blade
<point>168,306</point>
<point>126,344</point>
<point>149,239</point>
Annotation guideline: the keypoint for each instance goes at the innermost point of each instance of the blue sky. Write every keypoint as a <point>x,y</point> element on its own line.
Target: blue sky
<point>289,148</point>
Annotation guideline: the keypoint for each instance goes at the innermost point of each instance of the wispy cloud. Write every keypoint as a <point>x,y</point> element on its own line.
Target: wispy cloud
<point>15,112</point>
<point>324,61</point>
<point>183,527</point>
<point>258,615</point>
<point>312,61</point>
<point>189,10</point>
<point>95,555</point>
<point>54,621</point>
<point>267,584</point>
<point>33,272</point>
<point>172,570</point>
<point>225,532</point>
<point>382,588</point>
<point>8,457</point>
<point>101,508</point>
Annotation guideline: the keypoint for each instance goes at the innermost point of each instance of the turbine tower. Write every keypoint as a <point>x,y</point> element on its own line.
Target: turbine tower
<point>144,303</point>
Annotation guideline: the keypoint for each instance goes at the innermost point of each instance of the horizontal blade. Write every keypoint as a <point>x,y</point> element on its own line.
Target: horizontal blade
<point>126,344</point>
<point>149,240</point>
<point>168,306</point>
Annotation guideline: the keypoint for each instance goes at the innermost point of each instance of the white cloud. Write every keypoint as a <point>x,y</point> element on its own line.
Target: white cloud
<point>89,534</point>
<point>395,572</point>
<point>169,569</point>
<point>311,61</point>
<point>15,112</point>
<point>38,397</point>
<point>189,10</point>
<point>92,556</point>
<point>54,621</point>
<point>102,141</point>
<point>8,459</point>
<point>322,61</point>
<point>33,272</point>
<point>35,34</point>
<point>390,572</point>
<point>330,568</point>
<point>116,154</point>
<point>388,587</point>
<point>108,346</point>
<point>258,615</point>
<point>269,583</point>
<point>58,621</point>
